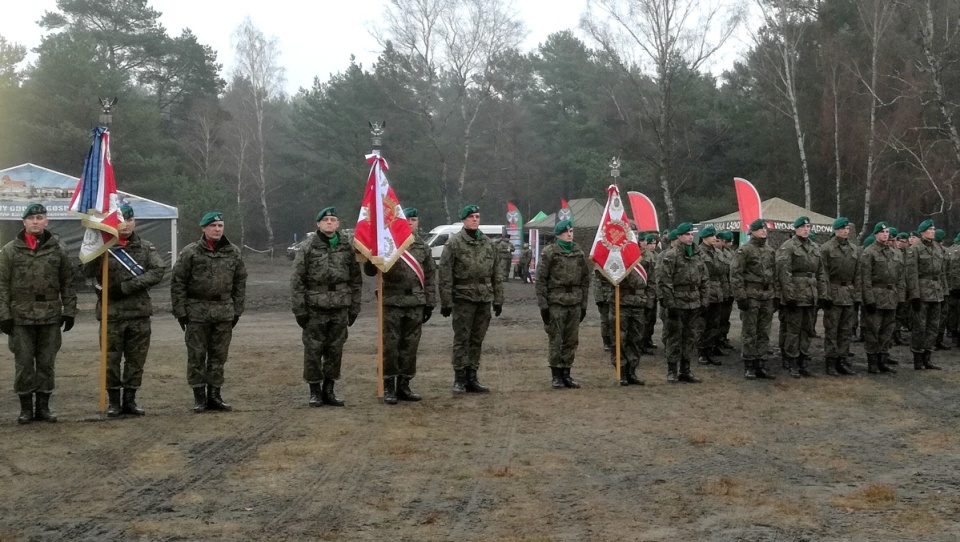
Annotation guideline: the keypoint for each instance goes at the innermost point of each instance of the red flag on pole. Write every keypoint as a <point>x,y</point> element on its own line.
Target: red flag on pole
<point>748,201</point>
<point>95,199</point>
<point>615,250</point>
<point>644,213</point>
<point>383,233</point>
<point>564,213</point>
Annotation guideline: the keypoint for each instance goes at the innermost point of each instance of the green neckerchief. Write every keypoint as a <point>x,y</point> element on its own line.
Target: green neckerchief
<point>334,240</point>
<point>567,246</point>
<point>689,249</point>
<point>473,233</point>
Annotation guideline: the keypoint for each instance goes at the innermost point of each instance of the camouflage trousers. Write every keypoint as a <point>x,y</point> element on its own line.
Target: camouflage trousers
<point>726,311</point>
<point>34,355</point>
<point>631,336</point>
<point>401,339</point>
<point>505,265</point>
<point>953,315</point>
<point>681,334</point>
<point>606,319</point>
<point>470,323</point>
<point>649,322</point>
<point>756,322</point>
<point>323,339</point>
<point>208,344</point>
<point>798,328</point>
<point>926,324</point>
<point>128,340</point>
<point>563,333</point>
<point>710,333</point>
<point>878,328</point>
<point>904,315</point>
<point>838,325</point>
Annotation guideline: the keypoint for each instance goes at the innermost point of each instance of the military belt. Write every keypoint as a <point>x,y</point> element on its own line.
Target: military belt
<point>842,282</point>
<point>760,285</point>
<point>803,275</point>
<point>684,288</point>
<point>210,297</point>
<point>464,282</point>
<point>35,297</point>
<point>887,285</point>
<point>397,291</point>
<point>626,291</point>
<point>567,289</point>
<point>335,287</point>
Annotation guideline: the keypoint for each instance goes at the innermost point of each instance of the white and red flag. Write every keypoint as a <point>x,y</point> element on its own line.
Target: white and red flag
<point>564,213</point>
<point>95,200</point>
<point>383,233</point>
<point>748,202</point>
<point>615,250</point>
<point>644,213</point>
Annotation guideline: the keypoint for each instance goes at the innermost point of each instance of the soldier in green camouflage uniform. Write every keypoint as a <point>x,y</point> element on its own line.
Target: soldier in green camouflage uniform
<point>726,306</point>
<point>926,285</point>
<point>505,248</point>
<point>407,304</point>
<point>901,241</point>
<point>470,281</point>
<point>134,268</point>
<point>718,272</point>
<point>649,263</point>
<point>37,297</point>
<point>208,289</point>
<point>944,306</point>
<point>754,283</point>
<point>325,287</point>
<point>802,285</point>
<point>681,277</point>
<point>953,286</point>
<point>603,295</point>
<point>563,286</point>
<point>841,265</point>
<point>526,256</point>
<point>882,280</point>
<point>634,296</point>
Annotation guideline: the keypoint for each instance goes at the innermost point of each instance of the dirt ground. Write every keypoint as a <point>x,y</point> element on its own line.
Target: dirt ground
<point>854,458</point>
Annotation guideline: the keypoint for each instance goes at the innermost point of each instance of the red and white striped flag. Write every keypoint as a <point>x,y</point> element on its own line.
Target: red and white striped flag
<point>95,199</point>
<point>383,233</point>
<point>615,250</point>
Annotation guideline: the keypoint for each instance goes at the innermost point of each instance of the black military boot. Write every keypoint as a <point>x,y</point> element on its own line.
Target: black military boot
<point>705,358</point>
<point>607,344</point>
<point>130,405</point>
<point>390,391</point>
<point>459,381</point>
<point>26,409</point>
<point>113,403</point>
<point>792,365</point>
<point>845,367</point>
<point>556,381</point>
<point>762,371</point>
<point>315,400</point>
<point>685,374</point>
<point>872,366</point>
<point>568,381</point>
<point>474,385</point>
<point>940,344</point>
<point>883,364</point>
<point>926,361</point>
<point>632,377</point>
<point>624,381</point>
<point>327,395</point>
<point>200,399</point>
<point>918,361</point>
<point>671,373</point>
<point>830,366</point>
<point>215,401</point>
<point>749,369</point>
<point>803,363</point>
<point>404,393</point>
<point>43,412</point>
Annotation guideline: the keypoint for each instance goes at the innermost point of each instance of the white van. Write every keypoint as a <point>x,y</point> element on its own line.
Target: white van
<point>438,237</point>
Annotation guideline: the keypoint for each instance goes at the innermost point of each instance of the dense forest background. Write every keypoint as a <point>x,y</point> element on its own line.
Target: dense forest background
<point>846,107</point>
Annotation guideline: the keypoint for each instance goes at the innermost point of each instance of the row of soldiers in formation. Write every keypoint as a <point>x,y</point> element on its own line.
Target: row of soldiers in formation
<point>694,285</point>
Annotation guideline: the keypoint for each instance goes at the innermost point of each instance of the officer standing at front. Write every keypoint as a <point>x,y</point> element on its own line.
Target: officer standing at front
<point>753,280</point>
<point>681,275</point>
<point>882,282</point>
<point>802,284</point>
<point>841,266</point>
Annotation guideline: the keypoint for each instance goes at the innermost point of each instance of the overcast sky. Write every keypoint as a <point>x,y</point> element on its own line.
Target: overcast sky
<point>316,38</point>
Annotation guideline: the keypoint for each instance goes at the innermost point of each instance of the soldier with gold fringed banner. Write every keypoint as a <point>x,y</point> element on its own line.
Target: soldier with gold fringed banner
<point>882,282</point>
<point>325,287</point>
<point>802,285</point>
<point>841,265</point>
<point>563,286</point>
<point>681,278</point>
<point>208,289</point>
<point>926,284</point>
<point>470,282</point>
<point>755,286</point>
<point>409,295</point>
<point>135,266</point>
<point>717,273</point>
<point>37,297</point>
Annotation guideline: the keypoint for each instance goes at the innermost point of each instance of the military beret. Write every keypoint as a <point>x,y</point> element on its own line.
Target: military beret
<point>894,232</point>
<point>903,235</point>
<point>651,238</point>
<point>925,225</point>
<point>411,212</point>
<point>126,211</point>
<point>709,231</point>
<point>212,216</point>
<point>34,209</point>
<point>672,236</point>
<point>813,236</point>
<point>869,241</point>
<point>327,211</point>
<point>939,235</point>
<point>468,210</point>
<point>757,224</point>
<point>801,221</point>
<point>726,236</point>
<point>562,226</point>
<point>684,228</point>
<point>913,234</point>
<point>841,222</point>
<point>956,239</point>
<point>880,227</point>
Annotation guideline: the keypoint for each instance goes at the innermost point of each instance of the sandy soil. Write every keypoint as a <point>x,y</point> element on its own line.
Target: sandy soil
<point>855,458</point>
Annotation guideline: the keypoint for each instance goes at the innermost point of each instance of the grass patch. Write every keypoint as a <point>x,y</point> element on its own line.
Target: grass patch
<point>871,497</point>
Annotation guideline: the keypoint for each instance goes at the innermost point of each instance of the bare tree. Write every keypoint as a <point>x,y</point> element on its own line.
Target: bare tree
<point>669,41</point>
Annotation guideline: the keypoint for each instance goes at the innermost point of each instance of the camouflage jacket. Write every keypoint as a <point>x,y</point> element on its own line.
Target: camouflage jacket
<point>505,248</point>
<point>753,273</point>
<point>953,267</point>
<point>326,277</point>
<point>681,278</point>
<point>526,256</point>
<point>36,286</point>
<point>602,289</point>
<point>727,256</point>
<point>209,285</point>
<point>649,259</point>
<point>134,302</point>
<point>882,276</point>
<point>800,272</point>
<point>717,270</point>
<point>401,285</point>
<point>633,291</point>
<point>926,272</point>
<point>563,278</point>
<point>841,265</point>
<point>470,270</point>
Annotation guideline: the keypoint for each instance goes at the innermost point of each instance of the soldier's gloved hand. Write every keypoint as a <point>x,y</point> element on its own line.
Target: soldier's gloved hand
<point>583,314</point>
<point>235,320</point>
<point>916,304</point>
<point>183,321</point>
<point>446,311</point>
<point>115,290</point>
<point>545,316</point>
<point>673,312</point>
<point>6,326</point>
<point>776,304</point>
<point>790,303</point>
<point>743,304</point>
<point>826,304</point>
<point>955,294</point>
<point>497,309</point>
<point>427,313</point>
<point>870,308</point>
<point>302,321</point>
<point>67,322</point>
<point>351,318</point>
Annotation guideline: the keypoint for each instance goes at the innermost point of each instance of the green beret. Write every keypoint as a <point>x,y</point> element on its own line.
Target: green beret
<point>894,231</point>
<point>411,212</point>
<point>925,225</point>
<point>903,235</point>
<point>709,231</point>
<point>562,226</point>
<point>757,224</point>
<point>913,234</point>
<point>956,239</point>
<point>841,222</point>
<point>726,236</point>
<point>468,210</point>
<point>880,227</point>
<point>34,209</point>
<point>869,241</point>
<point>683,228</point>
<point>812,236</point>
<point>126,211</point>
<point>939,235</point>
<point>212,216</point>
<point>651,238</point>
<point>672,236</point>
<point>327,211</point>
<point>801,221</point>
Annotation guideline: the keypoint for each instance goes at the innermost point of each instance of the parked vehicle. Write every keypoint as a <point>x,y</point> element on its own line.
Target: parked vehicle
<point>295,247</point>
<point>438,237</point>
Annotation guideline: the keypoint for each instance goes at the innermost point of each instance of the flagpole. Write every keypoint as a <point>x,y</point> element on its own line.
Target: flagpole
<point>379,333</point>
<point>616,317</point>
<point>104,281</point>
